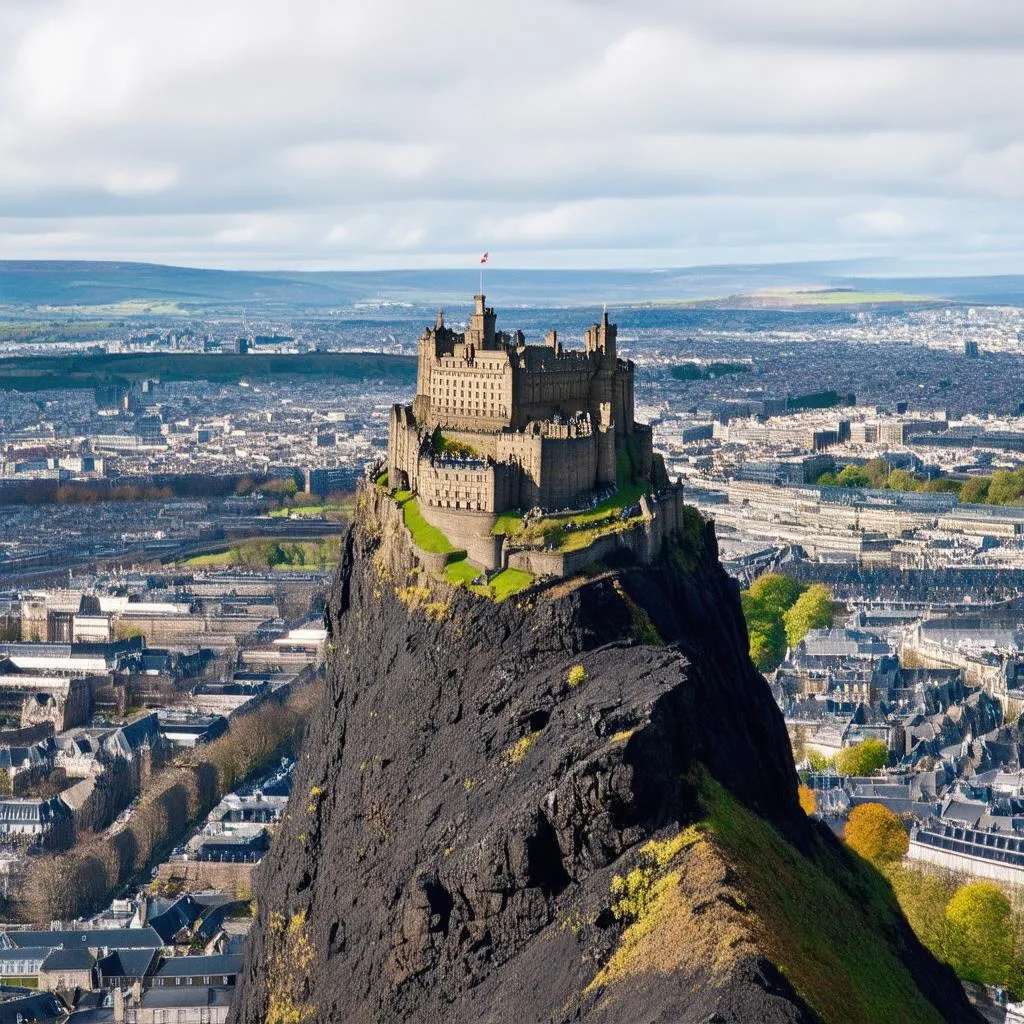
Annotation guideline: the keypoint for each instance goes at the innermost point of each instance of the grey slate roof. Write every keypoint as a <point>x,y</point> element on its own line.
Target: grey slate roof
<point>172,918</point>
<point>89,938</point>
<point>127,963</point>
<point>39,953</point>
<point>185,995</point>
<point>41,1008</point>
<point>199,966</point>
<point>73,959</point>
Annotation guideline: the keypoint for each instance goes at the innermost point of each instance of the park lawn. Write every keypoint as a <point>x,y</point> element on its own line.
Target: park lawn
<point>214,558</point>
<point>829,297</point>
<point>311,555</point>
<point>428,538</point>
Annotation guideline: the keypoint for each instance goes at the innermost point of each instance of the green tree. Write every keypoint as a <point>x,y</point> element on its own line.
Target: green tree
<point>863,759</point>
<point>852,476</point>
<point>923,896</point>
<point>901,480</point>
<point>980,945</point>
<point>1006,487</point>
<point>877,472</point>
<point>876,833</point>
<point>818,761</point>
<point>775,590</point>
<point>828,479</point>
<point>812,610</point>
<point>766,633</point>
<point>975,491</point>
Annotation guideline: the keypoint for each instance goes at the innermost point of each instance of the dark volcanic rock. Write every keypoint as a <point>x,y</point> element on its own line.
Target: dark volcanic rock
<point>460,809</point>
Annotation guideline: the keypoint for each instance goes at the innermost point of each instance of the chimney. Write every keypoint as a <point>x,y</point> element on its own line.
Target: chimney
<point>119,1014</point>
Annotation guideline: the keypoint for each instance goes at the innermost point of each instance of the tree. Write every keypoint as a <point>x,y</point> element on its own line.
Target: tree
<point>818,761</point>
<point>764,604</point>
<point>863,759</point>
<point>775,590</point>
<point>877,472</point>
<point>923,896</point>
<point>852,476</point>
<point>980,945</point>
<point>1005,487</point>
<point>901,480</point>
<point>812,610</point>
<point>975,491</point>
<point>874,832</point>
<point>766,633</point>
<point>808,799</point>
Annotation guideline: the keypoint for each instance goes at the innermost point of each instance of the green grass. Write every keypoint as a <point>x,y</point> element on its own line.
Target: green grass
<point>244,554</point>
<point>460,570</point>
<point>508,524</point>
<point>839,297</point>
<point>214,558</point>
<point>426,537</point>
<point>826,924</point>
<point>509,582</point>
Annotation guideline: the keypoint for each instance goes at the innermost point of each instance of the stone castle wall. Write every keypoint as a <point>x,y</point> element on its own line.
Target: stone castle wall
<point>641,543</point>
<point>570,469</point>
<point>403,448</point>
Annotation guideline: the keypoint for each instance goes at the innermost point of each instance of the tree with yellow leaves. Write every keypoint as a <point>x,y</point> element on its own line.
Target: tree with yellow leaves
<point>808,799</point>
<point>876,834</point>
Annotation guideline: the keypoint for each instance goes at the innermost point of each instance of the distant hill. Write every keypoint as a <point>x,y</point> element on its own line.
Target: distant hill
<point>82,283</point>
<point>63,372</point>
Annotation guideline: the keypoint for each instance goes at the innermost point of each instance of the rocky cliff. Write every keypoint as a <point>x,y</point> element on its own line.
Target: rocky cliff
<point>575,805</point>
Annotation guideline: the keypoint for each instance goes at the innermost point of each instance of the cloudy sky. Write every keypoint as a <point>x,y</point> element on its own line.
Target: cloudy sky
<point>573,133</point>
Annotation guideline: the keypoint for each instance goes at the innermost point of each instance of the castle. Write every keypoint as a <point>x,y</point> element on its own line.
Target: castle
<point>498,424</point>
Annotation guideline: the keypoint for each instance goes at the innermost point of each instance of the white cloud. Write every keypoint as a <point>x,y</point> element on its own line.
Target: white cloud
<point>372,132</point>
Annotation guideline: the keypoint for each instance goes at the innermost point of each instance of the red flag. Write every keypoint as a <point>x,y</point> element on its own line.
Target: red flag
<point>483,259</point>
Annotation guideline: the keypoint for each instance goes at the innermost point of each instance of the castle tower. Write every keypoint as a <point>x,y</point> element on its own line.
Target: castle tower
<point>601,337</point>
<point>481,325</point>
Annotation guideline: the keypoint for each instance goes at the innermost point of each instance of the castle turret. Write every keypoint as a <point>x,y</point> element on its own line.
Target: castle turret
<point>601,338</point>
<point>481,325</point>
